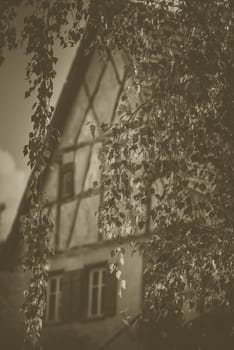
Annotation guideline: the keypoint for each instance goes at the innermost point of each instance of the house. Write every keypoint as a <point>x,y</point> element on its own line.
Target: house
<point>83,306</point>
<point>84,310</point>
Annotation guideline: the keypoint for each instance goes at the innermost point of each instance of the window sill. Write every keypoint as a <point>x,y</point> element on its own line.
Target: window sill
<point>95,318</point>
<point>50,324</point>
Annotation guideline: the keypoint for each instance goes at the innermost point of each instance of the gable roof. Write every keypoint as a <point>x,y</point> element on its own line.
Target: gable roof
<point>8,256</point>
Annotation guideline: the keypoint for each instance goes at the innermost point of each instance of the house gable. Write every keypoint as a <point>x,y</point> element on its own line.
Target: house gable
<point>75,216</point>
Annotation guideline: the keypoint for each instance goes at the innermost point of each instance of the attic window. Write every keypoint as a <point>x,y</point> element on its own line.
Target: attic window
<point>67,180</point>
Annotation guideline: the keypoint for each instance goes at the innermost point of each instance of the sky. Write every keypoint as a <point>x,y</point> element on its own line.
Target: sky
<point>15,125</point>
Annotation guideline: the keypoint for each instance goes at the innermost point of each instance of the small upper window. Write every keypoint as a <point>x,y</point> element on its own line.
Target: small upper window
<point>54,294</point>
<point>96,292</point>
<point>67,180</point>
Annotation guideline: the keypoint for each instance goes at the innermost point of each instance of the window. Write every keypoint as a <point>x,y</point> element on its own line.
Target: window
<point>82,294</point>
<point>54,295</point>
<point>67,180</point>
<point>88,293</point>
<point>96,292</point>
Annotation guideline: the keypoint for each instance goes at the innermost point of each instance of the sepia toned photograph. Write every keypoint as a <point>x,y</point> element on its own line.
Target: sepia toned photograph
<point>117,175</point>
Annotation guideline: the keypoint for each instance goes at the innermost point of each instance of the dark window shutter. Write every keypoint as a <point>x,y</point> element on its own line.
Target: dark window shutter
<point>66,297</point>
<point>79,294</point>
<point>74,295</point>
<point>110,294</point>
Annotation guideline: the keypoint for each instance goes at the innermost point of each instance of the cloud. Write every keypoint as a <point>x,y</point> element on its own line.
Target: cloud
<point>12,185</point>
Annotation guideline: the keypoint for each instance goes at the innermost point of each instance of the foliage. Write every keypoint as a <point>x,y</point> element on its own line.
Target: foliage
<point>167,164</point>
<point>169,160</point>
<point>45,23</point>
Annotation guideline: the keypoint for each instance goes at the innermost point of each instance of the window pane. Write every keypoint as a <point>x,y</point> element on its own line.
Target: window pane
<point>60,284</point>
<point>94,301</point>
<point>53,285</point>
<point>59,306</point>
<point>52,307</point>
<point>102,300</point>
<point>68,180</point>
<point>103,276</point>
<point>95,278</point>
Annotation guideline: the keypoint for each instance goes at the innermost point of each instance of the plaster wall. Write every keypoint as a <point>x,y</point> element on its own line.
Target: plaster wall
<point>76,218</point>
<point>95,103</point>
<point>76,239</point>
<point>95,333</point>
<point>12,286</point>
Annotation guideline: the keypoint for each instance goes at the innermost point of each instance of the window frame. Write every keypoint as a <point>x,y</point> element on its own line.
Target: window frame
<point>58,298</point>
<point>100,286</point>
<point>67,168</point>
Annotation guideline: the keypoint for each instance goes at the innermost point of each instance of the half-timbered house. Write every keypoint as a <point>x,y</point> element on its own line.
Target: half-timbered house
<point>84,310</point>
<point>83,306</point>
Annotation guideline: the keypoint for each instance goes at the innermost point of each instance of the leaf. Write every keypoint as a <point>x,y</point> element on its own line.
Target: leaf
<point>112,267</point>
<point>118,274</point>
<point>122,109</point>
<point>47,154</point>
<point>121,259</point>
<point>25,151</point>
<point>123,284</point>
<point>27,94</point>
<point>92,129</point>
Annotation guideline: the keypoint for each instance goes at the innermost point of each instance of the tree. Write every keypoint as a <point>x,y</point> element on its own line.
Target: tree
<point>167,164</point>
